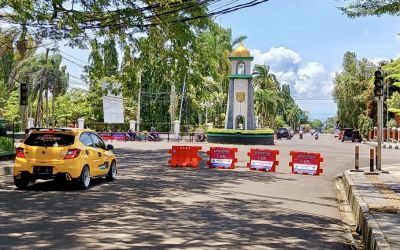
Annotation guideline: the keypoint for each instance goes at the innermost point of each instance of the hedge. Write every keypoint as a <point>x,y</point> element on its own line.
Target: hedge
<point>6,144</point>
<point>243,132</point>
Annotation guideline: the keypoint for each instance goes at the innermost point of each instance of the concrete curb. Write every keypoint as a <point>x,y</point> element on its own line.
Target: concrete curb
<point>372,234</point>
<point>384,145</point>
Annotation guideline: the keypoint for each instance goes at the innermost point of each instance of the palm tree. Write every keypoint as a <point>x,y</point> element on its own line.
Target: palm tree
<point>267,103</point>
<point>293,113</point>
<point>263,79</point>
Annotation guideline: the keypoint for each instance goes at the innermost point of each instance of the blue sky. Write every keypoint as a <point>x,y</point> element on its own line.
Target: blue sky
<point>303,41</point>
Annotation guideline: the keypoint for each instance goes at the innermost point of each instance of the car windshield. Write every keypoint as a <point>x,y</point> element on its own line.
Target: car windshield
<point>283,130</point>
<point>49,139</point>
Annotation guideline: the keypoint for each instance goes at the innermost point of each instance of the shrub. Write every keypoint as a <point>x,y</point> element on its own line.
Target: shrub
<point>243,132</point>
<point>6,144</point>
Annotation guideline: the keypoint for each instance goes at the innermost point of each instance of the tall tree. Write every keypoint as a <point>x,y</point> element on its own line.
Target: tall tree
<point>359,8</point>
<point>263,79</point>
<point>350,86</point>
<point>110,57</point>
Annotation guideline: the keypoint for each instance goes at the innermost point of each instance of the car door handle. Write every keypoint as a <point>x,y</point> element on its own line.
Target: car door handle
<point>99,154</point>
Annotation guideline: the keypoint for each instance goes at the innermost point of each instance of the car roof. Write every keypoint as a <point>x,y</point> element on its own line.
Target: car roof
<point>74,130</point>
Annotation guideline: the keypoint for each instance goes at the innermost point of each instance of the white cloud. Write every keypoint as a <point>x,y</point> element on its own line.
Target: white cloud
<point>279,59</point>
<point>307,80</point>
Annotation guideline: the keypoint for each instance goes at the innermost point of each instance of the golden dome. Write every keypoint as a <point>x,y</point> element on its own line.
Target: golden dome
<point>241,51</point>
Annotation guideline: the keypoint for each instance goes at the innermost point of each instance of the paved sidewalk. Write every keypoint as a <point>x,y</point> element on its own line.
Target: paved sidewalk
<point>6,167</point>
<point>375,204</point>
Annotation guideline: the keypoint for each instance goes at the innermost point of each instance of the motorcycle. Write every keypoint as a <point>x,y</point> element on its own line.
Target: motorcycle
<point>316,136</point>
<point>301,135</point>
<point>200,137</point>
<point>153,136</point>
<point>131,137</point>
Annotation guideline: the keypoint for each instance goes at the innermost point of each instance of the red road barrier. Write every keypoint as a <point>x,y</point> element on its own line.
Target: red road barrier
<point>263,159</point>
<point>306,163</point>
<point>184,156</point>
<point>221,157</point>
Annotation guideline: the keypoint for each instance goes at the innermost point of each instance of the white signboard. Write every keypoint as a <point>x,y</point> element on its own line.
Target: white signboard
<point>113,108</point>
<point>267,165</point>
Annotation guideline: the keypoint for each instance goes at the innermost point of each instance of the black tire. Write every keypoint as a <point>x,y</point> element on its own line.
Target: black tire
<point>23,182</point>
<point>112,173</point>
<point>84,178</point>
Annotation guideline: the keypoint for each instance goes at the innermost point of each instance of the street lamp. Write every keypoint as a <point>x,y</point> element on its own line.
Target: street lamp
<point>206,105</point>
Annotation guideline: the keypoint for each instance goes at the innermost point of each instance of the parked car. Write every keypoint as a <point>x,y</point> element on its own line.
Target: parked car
<point>346,134</point>
<point>349,134</point>
<point>74,155</point>
<point>283,133</point>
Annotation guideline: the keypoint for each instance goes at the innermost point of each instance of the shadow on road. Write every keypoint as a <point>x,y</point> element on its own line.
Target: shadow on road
<point>154,206</point>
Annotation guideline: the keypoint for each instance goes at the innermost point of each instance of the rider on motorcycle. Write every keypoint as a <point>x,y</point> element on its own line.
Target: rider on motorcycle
<point>154,134</point>
<point>131,134</point>
<point>316,134</point>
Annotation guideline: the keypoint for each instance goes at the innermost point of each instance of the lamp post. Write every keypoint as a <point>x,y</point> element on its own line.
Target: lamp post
<point>206,106</point>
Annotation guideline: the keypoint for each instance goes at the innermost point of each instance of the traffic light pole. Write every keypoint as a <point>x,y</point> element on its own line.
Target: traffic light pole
<point>380,133</point>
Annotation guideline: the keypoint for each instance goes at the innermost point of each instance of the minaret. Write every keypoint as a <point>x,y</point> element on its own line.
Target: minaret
<point>240,107</point>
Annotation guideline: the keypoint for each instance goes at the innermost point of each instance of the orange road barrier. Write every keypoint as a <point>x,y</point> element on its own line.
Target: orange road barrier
<point>221,157</point>
<point>184,156</point>
<point>263,159</point>
<point>306,163</point>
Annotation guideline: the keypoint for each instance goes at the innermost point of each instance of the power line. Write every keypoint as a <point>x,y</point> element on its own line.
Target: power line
<point>118,18</point>
<point>62,52</point>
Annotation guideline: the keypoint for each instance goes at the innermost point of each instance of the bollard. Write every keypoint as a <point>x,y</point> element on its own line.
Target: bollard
<point>371,160</point>
<point>356,160</point>
<point>357,157</point>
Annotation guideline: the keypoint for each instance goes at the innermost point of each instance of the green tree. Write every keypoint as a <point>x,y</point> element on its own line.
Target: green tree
<point>110,57</point>
<point>365,124</point>
<point>266,105</point>
<point>360,8</point>
<point>350,88</point>
<point>263,79</point>
<point>11,112</point>
<point>316,124</point>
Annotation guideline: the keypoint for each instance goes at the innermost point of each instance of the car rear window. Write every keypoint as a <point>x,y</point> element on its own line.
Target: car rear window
<point>49,139</point>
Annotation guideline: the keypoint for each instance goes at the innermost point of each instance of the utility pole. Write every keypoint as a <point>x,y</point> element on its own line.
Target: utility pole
<point>183,94</point>
<point>139,100</point>
<point>39,111</point>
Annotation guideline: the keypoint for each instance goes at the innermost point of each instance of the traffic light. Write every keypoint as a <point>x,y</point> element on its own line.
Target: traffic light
<point>23,94</point>
<point>378,82</point>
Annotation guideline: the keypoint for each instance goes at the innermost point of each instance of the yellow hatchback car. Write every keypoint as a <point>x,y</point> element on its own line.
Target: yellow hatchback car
<point>68,154</point>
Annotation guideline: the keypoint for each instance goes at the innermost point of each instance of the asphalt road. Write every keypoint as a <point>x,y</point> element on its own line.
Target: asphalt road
<point>151,205</point>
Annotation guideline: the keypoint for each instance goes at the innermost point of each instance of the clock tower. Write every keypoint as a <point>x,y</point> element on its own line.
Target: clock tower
<point>240,108</point>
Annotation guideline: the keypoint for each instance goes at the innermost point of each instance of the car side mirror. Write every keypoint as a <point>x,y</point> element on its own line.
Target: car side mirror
<point>109,147</point>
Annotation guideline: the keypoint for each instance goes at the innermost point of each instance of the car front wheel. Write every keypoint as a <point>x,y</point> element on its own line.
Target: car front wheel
<point>84,179</point>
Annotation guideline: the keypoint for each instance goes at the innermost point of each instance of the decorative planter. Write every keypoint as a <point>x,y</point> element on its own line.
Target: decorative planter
<point>252,139</point>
